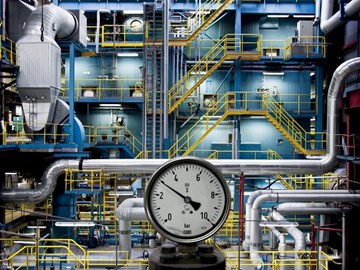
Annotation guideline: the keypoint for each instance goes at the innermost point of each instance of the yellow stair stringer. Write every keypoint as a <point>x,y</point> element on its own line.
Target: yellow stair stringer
<point>284,182</point>
<point>109,209</point>
<point>213,16</point>
<point>193,146</point>
<point>283,132</point>
<point>215,124</point>
<point>196,85</point>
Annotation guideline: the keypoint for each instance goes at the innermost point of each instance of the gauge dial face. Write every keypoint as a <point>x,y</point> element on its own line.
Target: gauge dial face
<point>187,200</point>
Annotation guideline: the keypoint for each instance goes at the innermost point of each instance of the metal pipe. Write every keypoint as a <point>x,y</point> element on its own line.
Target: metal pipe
<point>255,213</point>
<point>258,193</point>
<point>327,23</point>
<point>261,167</point>
<point>97,31</point>
<point>130,209</point>
<point>48,184</point>
<point>306,208</point>
<point>296,234</point>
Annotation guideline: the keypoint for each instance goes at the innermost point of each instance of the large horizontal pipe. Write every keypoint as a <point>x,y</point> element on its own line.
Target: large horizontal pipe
<point>246,166</point>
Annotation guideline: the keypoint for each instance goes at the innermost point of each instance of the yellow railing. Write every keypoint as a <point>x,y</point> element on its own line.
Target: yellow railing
<point>235,259</point>
<point>8,50</point>
<point>103,87</point>
<point>305,45</point>
<point>230,46</point>
<point>126,35</point>
<point>249,103</point>
<point>88,179</point>
<point>117,135</point>
<point>44,252</point>
<point>14,133</point>
<point>287,125</point>
<point>183,144</point>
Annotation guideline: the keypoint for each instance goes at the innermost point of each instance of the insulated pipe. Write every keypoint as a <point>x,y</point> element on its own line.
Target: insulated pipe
<point>306,208</point>
<point>47,187</point>
<point>325,164</point>
<point>282,243</point>
<point>58,22</point>
<point>130,209</point>
<point>327,23</point>
<point>255,214</point>
<point>258,193</point>
<point>97,32</point>
<point>296,234</point>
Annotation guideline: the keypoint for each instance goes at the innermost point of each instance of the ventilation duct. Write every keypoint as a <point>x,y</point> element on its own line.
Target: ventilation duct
<point>39,58</point>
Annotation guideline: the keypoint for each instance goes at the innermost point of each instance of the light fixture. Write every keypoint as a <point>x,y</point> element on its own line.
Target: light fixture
<point>132,11</point>
<point>122,193</point>
<point>36,227</point>
<point>198,72</point>
<point>304,16</point>
<point>24,242</point>
<point>74,224</point>
<point>278,16</point>
<point>199,12</point>
<point>278,224</point>
<point>127,54</point>
<point>273,73</point>
<point>110,105</point>
<point>312,73</point>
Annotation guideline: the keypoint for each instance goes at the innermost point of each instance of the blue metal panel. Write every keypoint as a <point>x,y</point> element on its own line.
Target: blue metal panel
<point>246,8</point>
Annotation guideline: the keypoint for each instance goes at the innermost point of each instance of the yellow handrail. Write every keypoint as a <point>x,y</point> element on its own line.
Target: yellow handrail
<point>282,119</point>
<point>18,134</point>
<point>118,134</point>
<point>7,50</point>
<point>306,45</point>
<point>103,87</point>
<point>231,46</point>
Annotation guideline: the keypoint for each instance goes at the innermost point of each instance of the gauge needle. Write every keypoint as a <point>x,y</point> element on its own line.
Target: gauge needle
<point>187,199</point>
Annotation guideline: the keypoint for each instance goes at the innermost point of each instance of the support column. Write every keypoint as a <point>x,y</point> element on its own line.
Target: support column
<point>238,62</point>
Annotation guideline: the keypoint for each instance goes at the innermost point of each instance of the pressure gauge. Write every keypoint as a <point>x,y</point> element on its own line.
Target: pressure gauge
<point>187,200</point>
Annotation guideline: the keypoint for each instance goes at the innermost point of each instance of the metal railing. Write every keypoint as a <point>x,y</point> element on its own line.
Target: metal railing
<point>15,133</point>
<point>289,128</point>
<point>86,179</point>
<point>104,88</point>
<point>250,103</point>
<point>305,45</point>
<point>125,35</point>
<point>115,135</point>
<point>231,46</point>
<point>7,50</point>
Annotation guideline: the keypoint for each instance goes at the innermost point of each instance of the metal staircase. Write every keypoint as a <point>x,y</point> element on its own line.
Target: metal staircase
<point>272,110</point>
<point>230,47</point>
<point>206,14</point>
<point>187,142</point>
<point>288,127</point>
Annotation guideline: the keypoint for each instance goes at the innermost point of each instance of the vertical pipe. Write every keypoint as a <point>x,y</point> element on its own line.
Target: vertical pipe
<point>319,78</point>
<point>153,129</point>
<point>241,208</point>
<point>72,92</point>
<point>344,236</point>
<point>166,74</point>
<point>237,62</point>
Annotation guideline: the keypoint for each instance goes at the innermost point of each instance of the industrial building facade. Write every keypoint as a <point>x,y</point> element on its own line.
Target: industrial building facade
<point>98,95</point>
